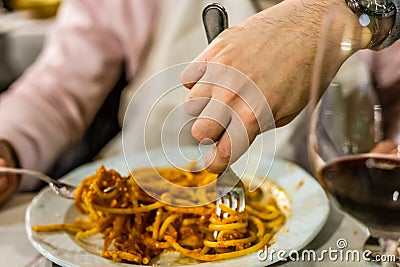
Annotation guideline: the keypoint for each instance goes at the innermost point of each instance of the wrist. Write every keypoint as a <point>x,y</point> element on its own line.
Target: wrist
<point>333,16</point>
<point>379,17</point>
<point>347,23</point>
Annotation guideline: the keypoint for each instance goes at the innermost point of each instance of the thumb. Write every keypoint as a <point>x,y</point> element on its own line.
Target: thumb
<point>3,177</point>
<point>8,182</point>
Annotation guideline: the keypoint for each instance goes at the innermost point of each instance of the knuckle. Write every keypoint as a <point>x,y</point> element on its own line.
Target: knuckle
<point>197,132</point>
<point>206,128</point>
<point>251,122</point>
<point>189,107</point>
<point>230,96</point>
<point>216,167</point>
<point>193,104</point>
<point>224,154</point>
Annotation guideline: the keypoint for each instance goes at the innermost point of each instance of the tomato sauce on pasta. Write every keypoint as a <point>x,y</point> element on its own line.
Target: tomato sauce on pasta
<point>136,228</point>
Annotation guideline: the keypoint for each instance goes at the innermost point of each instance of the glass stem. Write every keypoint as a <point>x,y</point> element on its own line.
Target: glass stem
<point>389,247</point>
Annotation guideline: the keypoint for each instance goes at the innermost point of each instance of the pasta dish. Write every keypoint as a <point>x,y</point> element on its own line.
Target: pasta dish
<point>136,228</point>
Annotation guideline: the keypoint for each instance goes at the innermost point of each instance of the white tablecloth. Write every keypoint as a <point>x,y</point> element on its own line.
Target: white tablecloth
<point>15,249</point>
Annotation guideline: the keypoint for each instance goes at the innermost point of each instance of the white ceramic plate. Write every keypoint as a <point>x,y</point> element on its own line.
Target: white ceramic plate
<point>309,211</point>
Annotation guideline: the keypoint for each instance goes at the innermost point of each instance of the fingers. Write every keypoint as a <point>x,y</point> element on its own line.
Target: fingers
<point>197,99</point>
<point>198,67</point>
<point>211,86</point>
<point>226,100</point>
<point>386,147</point>
<point>8,185</point>
<point>234,141</point>
<point>193,73</point>
<point>3,178</point>
<point>212,121</point>
<point>285,120</point>
<point>8,182</point>
<point>3,183</point>
<point>206,87</point>
<point>234,126</point>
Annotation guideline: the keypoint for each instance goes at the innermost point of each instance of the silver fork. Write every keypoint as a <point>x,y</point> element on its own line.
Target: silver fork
<point>60,188</point>
<point>230,189</point>
<point>230,192</point>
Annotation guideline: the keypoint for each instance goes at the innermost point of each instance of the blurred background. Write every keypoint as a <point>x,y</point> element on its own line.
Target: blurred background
<point>23,24</point>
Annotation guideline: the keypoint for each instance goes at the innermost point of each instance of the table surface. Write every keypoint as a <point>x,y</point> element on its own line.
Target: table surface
<point>15,249</point>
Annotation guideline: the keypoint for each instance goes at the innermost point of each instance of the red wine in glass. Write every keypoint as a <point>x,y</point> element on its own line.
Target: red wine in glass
<point>367,186</point>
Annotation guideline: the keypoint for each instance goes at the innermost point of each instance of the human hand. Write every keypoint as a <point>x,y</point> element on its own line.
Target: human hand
<point>385,68</point>
<point>8,182</point>
<point>386,147</point>
<point>276,49</point>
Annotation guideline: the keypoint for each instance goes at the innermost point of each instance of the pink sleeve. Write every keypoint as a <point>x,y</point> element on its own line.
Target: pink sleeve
<point>50,106</point>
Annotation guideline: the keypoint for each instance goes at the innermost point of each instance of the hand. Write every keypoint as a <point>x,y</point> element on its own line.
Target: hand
<point>275,49</point>
<point>386,72</point>
<point>8,182</point>
<point>386,147</point>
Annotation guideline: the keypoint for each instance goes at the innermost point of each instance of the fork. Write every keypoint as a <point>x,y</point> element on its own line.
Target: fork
<point>230,192</point>
<point>230,189</point>
<point>60,188</point>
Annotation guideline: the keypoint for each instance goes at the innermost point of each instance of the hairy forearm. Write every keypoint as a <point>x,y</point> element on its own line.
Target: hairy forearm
<point>329,34</point>
<point>315,32</point>
<point>314,23</point>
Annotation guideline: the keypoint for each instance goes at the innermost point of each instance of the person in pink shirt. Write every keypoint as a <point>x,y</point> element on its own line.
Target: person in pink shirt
<point>91,40</point>
<point>67,84</point>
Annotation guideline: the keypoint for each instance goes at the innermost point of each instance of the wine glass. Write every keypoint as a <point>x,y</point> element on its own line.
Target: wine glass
<point>351,144</point>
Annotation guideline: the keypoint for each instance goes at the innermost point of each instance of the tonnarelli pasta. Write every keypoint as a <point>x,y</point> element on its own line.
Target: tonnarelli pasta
<point>136,228</point>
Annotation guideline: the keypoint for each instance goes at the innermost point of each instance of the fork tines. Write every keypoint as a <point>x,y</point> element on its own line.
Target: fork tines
<point>231,193</point>
<point>232,199</point>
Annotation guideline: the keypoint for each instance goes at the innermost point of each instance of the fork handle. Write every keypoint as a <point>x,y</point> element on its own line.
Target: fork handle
<point>215,20</point>
<point>32,173</point>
